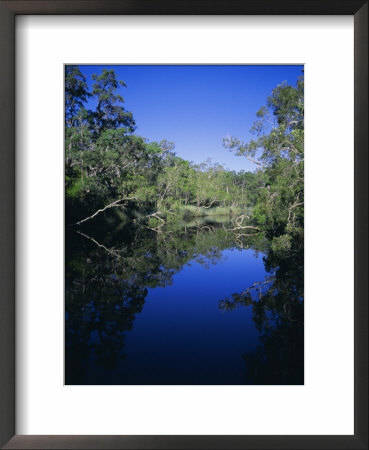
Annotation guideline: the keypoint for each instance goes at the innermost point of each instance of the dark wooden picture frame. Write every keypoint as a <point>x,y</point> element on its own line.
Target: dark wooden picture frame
<point>8,11</point>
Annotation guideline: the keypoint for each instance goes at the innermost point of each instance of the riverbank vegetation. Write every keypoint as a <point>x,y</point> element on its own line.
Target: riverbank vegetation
<point>110,169</point>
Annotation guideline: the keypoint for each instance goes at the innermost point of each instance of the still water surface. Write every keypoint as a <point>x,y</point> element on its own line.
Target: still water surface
<point>173,308</point>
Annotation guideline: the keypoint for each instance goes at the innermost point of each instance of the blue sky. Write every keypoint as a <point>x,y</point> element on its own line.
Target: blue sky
<point>195,106</point>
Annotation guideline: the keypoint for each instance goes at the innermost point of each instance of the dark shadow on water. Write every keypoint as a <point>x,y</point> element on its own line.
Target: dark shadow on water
<point>278,312</point>
<point>111,271</point>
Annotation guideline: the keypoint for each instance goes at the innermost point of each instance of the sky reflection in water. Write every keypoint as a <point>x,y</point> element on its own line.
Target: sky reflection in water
<point>176,334</point>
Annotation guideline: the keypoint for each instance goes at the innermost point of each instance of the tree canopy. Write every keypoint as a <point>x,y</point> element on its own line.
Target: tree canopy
<point>278,152</point>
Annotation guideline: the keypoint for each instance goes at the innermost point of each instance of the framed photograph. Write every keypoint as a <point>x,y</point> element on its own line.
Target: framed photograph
<point>183,266</point>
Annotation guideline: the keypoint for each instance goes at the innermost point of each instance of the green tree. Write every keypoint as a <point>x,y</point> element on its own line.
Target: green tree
<point>278,152</point>
<point>76,94</point>
<point>100,149</point>
<point>110,113</point>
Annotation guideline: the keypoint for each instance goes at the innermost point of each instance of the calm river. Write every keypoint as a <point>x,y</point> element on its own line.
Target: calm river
<point>193,304</point>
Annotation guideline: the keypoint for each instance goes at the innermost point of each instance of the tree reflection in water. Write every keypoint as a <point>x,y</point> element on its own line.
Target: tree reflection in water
<point>278,313</point>
<point>108,274</point>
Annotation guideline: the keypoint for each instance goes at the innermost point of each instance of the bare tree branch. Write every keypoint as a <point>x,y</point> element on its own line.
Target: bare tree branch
<point>111,205</point>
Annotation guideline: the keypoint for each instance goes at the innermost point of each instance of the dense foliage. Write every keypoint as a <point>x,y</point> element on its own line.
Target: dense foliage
<point>278,151</point>
<point>108,165</point>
